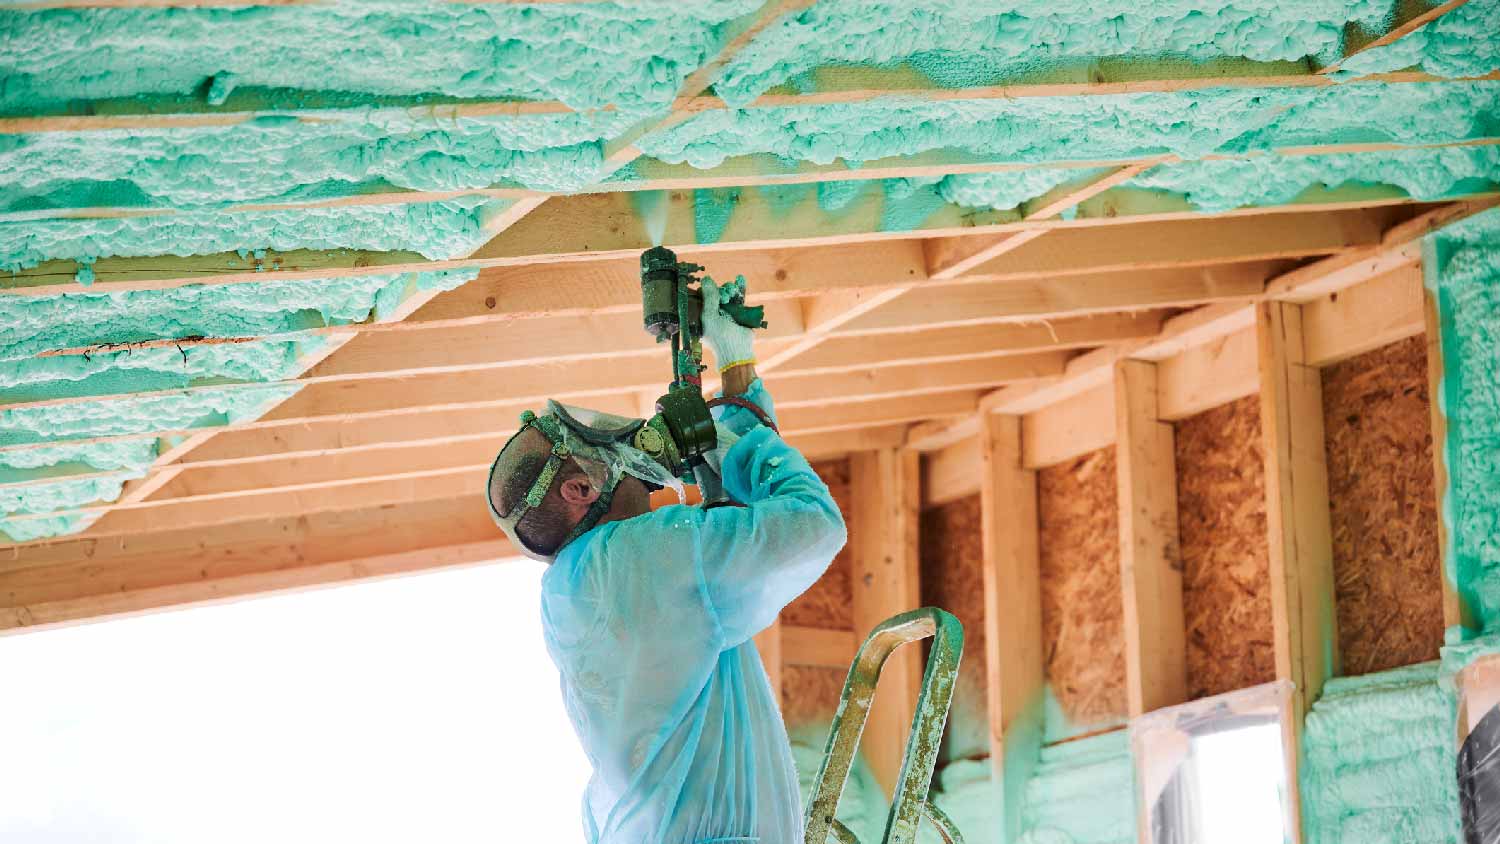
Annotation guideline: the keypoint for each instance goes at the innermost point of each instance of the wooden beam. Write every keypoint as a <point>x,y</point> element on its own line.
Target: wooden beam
<point>1172,243</point>
<point>73,579</point>
<point>1399,245</point>
<point>595,227</point>
<point>237,505</point>
<point>1012,615</point>
<point>883,523</point>
<point>1208,375</point>
<point>1079,295</point>
<point>831,312</point>
<point>1367,316</point>
<point>1297,513</point>
<point>1150,556</point>
<point>910,380</point>
<point>949,258</point>
<point>817,647</point>
<point>951,473</point>
<point>1458,607</point>
<point>1067,429</point>
<point>943,344</point>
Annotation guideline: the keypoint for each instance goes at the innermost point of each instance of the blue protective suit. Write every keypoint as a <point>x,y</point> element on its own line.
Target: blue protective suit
<point>650,620</point>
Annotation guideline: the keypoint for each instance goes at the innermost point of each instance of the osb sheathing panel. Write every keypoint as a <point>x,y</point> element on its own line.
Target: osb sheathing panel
<point>829,604</point>
<point>1380,485</point>
<point>952,577</point>
<point>1226,574</point>
<point>1082,608</point>
<point>810,695</point>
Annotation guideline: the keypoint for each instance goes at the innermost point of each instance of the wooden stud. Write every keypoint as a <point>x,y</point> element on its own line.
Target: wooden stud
<point>883,522</point>
<point>951,473</point>
<point>1364,317</point>
<point>1069,428</point>
<point>1150,559</point>
<point>1013,615</point>
<point>1208,375</point>
<point>1458,611</point>
<point>818,647</point>
<point>73,578</point>
<point>1305,623</point>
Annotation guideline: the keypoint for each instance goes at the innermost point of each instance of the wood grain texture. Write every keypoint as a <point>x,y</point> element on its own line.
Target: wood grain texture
<point>952,560</point>
<point>1082,613</point>
<point>1221,514</point>
<point>1380,482</point>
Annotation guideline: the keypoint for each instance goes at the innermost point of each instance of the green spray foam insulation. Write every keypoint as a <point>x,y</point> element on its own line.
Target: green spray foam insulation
<point>61,495</point>
<point>30,325</point>
<point>1462,267</point>
<point>1425,174</point>
<point>104,373</point>
<point>1459,43</point>
<point>130,456</point>
<point>1058,725</point>
<point>631,55</point>
<point>28,530</point>
<point>1082,792</point>
<point>1379,755</point>
<point>138,414</point>
<point>1189,124</point>
<point>436,230</point>
<point>284,159</point>
<point>989,42</point>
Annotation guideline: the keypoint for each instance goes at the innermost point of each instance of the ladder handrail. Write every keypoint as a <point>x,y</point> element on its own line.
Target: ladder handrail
<point>910,800</point>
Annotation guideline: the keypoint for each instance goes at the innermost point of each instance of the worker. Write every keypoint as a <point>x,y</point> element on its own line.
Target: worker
<point>649,615</point>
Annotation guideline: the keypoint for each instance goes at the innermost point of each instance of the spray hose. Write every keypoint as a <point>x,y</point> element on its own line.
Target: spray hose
<point>736,401</point>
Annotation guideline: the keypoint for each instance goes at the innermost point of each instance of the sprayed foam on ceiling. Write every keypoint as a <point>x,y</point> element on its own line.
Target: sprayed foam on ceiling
<point>631,55</point>
<point>1460,43</point>
<point>283,158</point>
<point>1189,124</point>
<point>629,58</point>
<point>993,41</point>
<point>32,325</point>
<point>1425,174</point>
<point>436,230</point>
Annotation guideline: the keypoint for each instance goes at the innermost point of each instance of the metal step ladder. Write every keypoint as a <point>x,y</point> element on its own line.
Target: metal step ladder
<point>909,804</point>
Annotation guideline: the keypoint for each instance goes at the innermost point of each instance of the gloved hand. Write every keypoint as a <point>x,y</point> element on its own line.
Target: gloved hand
<point>731,342</point>
<point>727,439</point>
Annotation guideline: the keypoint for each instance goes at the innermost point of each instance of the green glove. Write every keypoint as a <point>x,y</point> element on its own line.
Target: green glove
<point>733,344</point>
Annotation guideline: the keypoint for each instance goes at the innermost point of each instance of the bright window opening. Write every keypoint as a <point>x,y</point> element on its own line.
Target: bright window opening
<point>1214,771</point>
<point>416,709</point>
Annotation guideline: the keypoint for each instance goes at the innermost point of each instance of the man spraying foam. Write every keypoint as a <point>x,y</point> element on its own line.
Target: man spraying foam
<point>649,614</point>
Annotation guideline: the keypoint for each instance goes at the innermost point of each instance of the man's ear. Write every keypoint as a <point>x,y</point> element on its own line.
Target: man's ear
<point>578,490</point>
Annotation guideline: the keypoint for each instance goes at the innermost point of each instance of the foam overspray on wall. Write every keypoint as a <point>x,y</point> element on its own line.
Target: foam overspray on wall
<point>993,41</point>
<point>1082,792</point>
<point>1378,760</point>
<point>1462,266</point>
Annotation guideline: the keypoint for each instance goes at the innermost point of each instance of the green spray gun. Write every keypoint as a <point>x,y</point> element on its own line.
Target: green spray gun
<point>682,432</point>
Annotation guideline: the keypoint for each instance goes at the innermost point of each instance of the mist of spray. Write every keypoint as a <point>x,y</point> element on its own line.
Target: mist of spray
<point>651,206</point>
